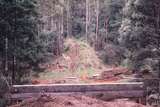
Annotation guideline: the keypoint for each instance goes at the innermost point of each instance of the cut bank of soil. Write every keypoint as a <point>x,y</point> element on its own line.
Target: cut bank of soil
<point>74,101</point>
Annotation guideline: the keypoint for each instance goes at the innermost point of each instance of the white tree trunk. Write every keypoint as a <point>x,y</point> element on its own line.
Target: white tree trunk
<point>69,30</point>
<point>6,54</point>
<point>158,17</point>
<point>97,23</point>
<point>87,19</point>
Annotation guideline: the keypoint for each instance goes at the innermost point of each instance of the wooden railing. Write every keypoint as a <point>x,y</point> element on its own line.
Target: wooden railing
<point>102,91</point>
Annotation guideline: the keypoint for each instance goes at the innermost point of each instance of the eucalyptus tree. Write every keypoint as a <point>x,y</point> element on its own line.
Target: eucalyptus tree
<point>139,33</point>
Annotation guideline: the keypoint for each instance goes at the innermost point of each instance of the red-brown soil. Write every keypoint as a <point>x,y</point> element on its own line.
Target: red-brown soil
<point>74,101</point>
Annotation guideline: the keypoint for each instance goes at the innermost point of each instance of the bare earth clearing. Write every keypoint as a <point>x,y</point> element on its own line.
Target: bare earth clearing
<point>74,101</point>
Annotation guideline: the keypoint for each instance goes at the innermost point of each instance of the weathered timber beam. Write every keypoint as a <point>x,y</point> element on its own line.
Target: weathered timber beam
<point>53,88</point>
<point>96,94</point>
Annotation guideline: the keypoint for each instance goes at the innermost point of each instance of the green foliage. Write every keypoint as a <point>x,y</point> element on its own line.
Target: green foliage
<point>113,10</point>
<point>130,23</point>
<point>78,14</point>
<point>18,24</point>
<point>138,31</point>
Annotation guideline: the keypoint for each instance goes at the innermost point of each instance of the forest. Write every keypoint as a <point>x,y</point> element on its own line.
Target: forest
<point>79,42</point>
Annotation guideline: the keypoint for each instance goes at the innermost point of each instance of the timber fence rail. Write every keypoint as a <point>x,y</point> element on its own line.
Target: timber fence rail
<point>103,91</point>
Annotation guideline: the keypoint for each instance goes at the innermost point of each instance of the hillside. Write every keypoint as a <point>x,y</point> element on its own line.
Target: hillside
<point>79,63</point>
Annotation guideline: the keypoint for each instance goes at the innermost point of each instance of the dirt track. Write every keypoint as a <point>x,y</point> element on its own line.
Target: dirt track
<point>74,101</point>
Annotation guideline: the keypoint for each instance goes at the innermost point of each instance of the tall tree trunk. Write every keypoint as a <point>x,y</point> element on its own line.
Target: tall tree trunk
<point>6,55</point>
<point>62,29</point>
<point>107,30</point>
<point>97,23</point>
<point>89,14</point>
<point>15,43</point>
<point>87,19</point>
<point>62,21</point>
<point>158,44</point>
<point>69,27</point>
<point>59,37</point>
<point>158,17</point>
<point>14,62</point>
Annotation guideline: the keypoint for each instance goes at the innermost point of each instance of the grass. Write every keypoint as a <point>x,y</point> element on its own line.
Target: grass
<point>79,73</point>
